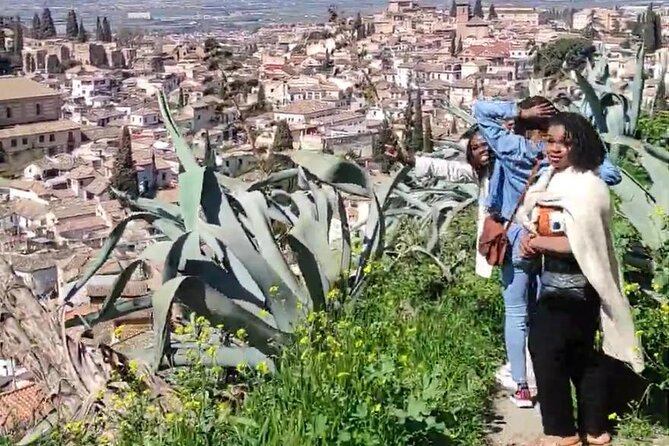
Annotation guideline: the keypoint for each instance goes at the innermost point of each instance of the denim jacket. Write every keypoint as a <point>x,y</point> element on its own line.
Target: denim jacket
<point>515,156</point>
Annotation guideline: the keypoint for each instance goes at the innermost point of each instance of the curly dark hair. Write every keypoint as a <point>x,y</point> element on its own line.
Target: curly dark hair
<point>522,126</point>
<point>587,149</point>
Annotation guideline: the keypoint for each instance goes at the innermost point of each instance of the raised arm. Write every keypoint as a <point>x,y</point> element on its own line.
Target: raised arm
<point>449,170</point>
<point>504,144</point>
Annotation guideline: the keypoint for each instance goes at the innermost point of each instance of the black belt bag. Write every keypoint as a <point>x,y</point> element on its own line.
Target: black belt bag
<point>561,277</point>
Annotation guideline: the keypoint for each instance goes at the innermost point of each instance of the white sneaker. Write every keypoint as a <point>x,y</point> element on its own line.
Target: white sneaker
<point>504,379</point>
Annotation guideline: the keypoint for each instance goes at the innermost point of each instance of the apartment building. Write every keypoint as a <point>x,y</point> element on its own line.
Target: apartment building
<point>518,14</point>
<point>30,123</point>
<point>605,19</point>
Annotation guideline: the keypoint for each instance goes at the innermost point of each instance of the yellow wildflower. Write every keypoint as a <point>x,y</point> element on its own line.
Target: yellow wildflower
<point>151,410</point>
<point>333,294</point>
<point>223,408</point>
<point>659,211</point>
<point>133,366</point>
<point>376,408</point>
<point>170,417</point>
<point>262,368</point>
<point>631,288</point>
<point>211,351</point>
<point>241,334</point>
<point>358,343</point>
<point>273,290</point>
<point>304,340</point>
<point>179,330</point>
<point>614,416</point>
<point>263,313</point>
<point>118,331</point>
<point>192,405</point>
<point>665,307</point>
<point>368,268</point>
<point>241,366</point>
<point>299,305</point>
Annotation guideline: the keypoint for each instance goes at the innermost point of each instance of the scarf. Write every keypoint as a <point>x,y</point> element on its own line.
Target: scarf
<point>586,205</point>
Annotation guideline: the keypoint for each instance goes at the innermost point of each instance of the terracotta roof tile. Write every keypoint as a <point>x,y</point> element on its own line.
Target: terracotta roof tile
<point>22,406</point>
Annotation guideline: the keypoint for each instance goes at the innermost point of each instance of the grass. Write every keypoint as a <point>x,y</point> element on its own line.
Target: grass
<point>409,363</point>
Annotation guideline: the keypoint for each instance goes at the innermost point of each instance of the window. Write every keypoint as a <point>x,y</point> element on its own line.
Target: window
<point>38,109</point>
<point>52,137</point>
<point>13,143</point>
<point>24,141</point>
<point>9,112</point>
<point>41,138</point>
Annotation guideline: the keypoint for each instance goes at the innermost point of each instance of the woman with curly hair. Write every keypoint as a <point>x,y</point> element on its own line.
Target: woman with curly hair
<point>568,217</point>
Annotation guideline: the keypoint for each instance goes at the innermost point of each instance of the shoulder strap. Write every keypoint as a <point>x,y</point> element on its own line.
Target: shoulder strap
<point>530,179</point>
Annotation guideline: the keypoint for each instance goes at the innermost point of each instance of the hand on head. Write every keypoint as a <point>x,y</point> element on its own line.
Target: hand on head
<point>539,111</point>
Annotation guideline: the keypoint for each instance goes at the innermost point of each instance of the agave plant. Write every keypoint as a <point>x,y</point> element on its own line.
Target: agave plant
<point>223,259</point>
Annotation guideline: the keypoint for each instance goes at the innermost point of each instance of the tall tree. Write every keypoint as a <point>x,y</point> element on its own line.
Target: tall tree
<point>459,49</point>
<point>98,30</point>
<point>454,49</point>
<point>428,144</point>
<point>262,99</point>
<point>48,27</point>
<point>660,100</point>
<point>209,154</point>
<point>18,36</point>
<point>124,175</point>
<point>492,14</point>
<point>37,27</point>
<point>106,30</point>
<point>357,26</point>
<point>370,29</point>
<point>593,25</point>
<point>83,35</point>
<point>182,99</point>
<point>478,9</point>
<point>417,131</point>
<point>453,12</point>
<point>408,122</point>
<point>283,139</point>
<point>3,48</point>
<point>71,25</point>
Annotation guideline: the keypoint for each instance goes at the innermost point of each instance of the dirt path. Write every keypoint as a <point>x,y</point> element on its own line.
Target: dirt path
<point>512,426</point>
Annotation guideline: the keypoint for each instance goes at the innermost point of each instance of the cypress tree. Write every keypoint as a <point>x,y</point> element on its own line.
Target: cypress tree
<point>408,122</point>
<point>454,9</point>
<point>283,139</point>
<point>18,36</point>
<point>37,27</point>
<point>492,14</point>
<point>260,103</point>
<point>106,30</point>
<point>124,176</point>
<point>478,9</point>
<point>83,35</point>
<point>357,26</point>
<point>98,30</point>
<point>417,131</point>
<point>428,144</point>
<point>181,103</point>
<point>660,100</point>
<point>384,138</point>
<point>459,50</point>
<point>209,154</point>
<point>71,25</point>
<point>454,48</point>
<point>48,28</point>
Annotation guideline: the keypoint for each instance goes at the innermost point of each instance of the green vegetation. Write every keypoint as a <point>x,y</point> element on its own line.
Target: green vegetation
<point>124,176</point>
<point>71,25</point>
<point>409,362</point>
<point>283,139</point>
<point>573,53</point>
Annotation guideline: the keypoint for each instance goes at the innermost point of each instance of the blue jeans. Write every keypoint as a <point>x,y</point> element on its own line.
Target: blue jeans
<point>519,282</point>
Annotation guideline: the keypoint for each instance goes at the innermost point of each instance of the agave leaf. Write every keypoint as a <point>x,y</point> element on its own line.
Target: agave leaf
<point>637,90</point>
<point>184,152</point>
<point>593,102</point>
<point>119,285</point>
<point>157,252</point>
<point>638,208</point>
<point>345,263</point>
<point>162,301</point>
<point>171,262</point>
<point>106,250</point>
<point>273,178</point>
<point>458,112</point>
<point>221,280</point>
<point>229,183</point>
<point>228,357</point>
<point>330,169</point>
<point>120,308</point>
<point>190,189</point>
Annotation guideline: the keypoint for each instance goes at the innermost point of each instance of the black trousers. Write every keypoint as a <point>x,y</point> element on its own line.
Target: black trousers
<point>561,342</point>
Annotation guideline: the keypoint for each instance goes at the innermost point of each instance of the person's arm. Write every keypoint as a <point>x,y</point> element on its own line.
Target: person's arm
<point>504,144</point>
<point>609,172</point>
<point>551,245</point>
<point>449,170</point>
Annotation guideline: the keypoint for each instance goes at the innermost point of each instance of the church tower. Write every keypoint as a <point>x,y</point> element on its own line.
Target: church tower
<point>462,12</point>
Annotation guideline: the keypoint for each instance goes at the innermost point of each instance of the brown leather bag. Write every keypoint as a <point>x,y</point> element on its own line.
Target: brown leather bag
<point>494,241</point>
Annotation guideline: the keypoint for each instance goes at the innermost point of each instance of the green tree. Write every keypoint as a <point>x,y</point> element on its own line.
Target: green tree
<point>660,100</point>
<point>417,131</point>
<point>37,27</point>
<point>574,52</point>
<point>18,36</point>
<point>48,28</point>
<point>385,138</point>
<point>428,144</point>
<point>106,30</point>
<point>98,30</point>
<point>593,25</point>
<point>454,49</point>
<point>460,48</point>
<point>357,27</point>
<point>182,99</point>
<point>83,35</point>
<point>370,29</point>
<point>2,41</point>
<point>124,175</point>
<point>453,12</point>
<point>492,14</point>
<point>261,103</point>
<point>408,122</point>
<point>283,139</point>
<point>209,154</point>
<point>71,25</point>
<point>478,9</point>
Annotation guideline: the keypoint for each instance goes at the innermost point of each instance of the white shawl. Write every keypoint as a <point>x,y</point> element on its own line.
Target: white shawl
<point>586,204</point>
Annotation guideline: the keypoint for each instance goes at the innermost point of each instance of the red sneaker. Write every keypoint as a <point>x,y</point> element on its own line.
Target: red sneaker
<point>523,397</point>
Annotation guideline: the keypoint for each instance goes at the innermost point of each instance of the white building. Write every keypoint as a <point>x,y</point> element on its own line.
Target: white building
<point>91,87</point>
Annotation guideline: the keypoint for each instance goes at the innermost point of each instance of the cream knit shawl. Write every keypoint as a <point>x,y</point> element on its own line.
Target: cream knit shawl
<point>586,204</point>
